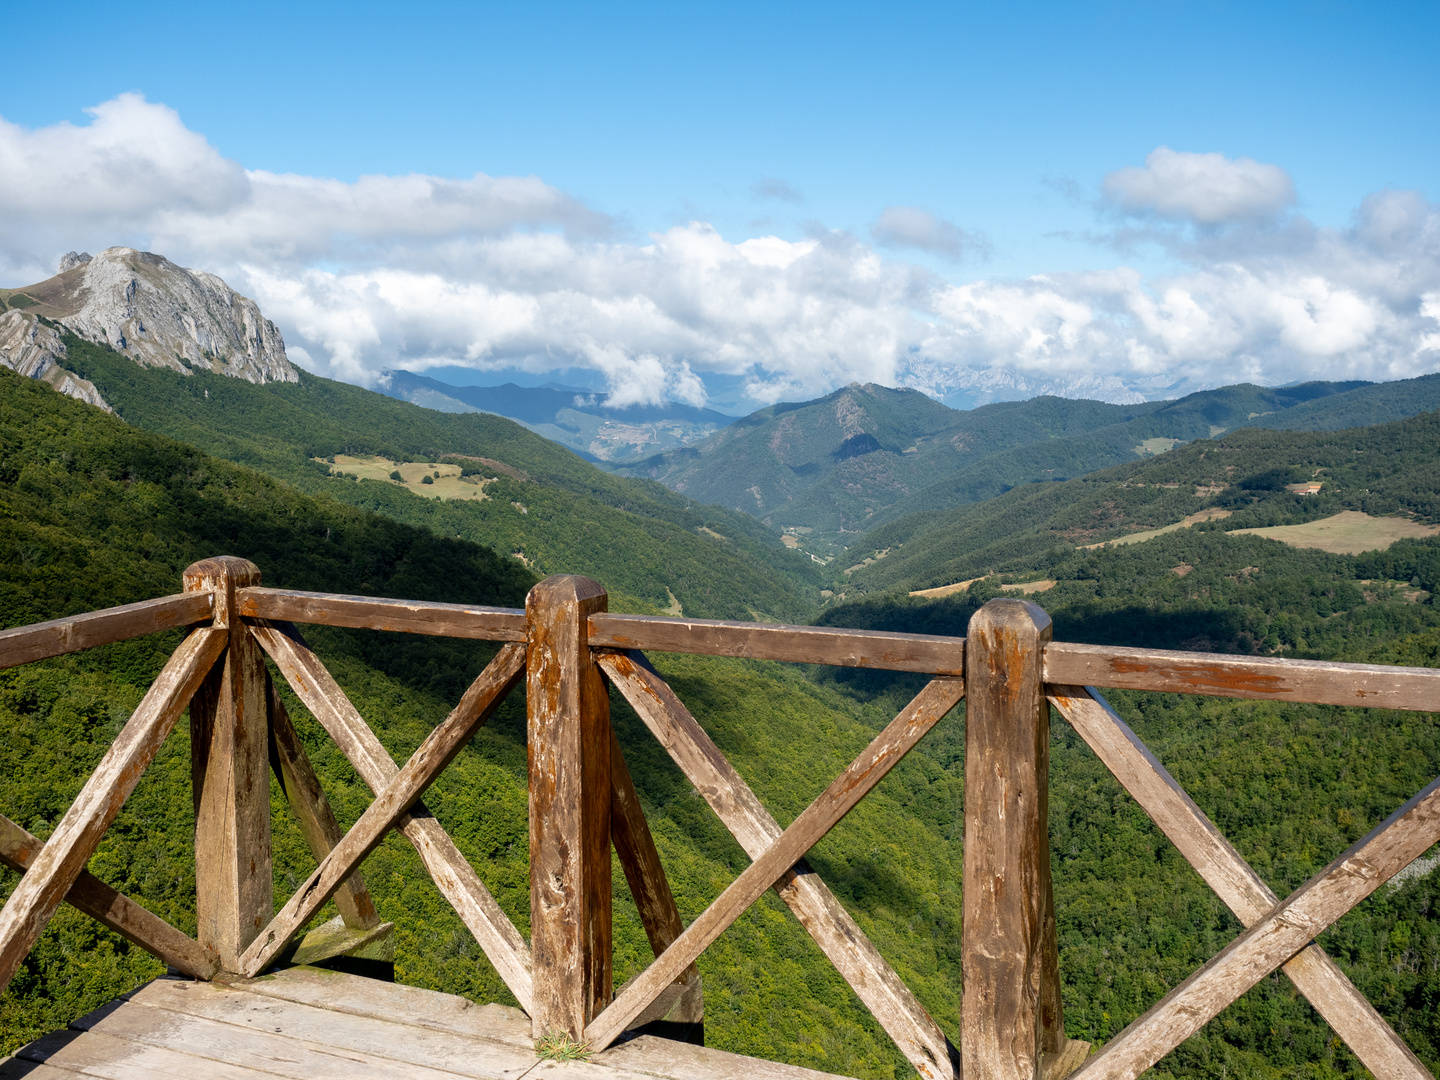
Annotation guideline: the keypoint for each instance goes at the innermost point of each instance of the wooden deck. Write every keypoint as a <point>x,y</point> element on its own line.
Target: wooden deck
<point>313,1024</point>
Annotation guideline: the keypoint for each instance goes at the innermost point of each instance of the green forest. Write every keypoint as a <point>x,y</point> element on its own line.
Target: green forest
<point>95,511</point>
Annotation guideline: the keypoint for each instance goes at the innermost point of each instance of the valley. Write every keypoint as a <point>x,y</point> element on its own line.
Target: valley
<point>1185,548</point>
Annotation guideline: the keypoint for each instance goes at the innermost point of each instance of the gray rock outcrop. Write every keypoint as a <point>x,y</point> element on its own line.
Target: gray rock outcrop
<point>34,349</point>
<point>160,315</point>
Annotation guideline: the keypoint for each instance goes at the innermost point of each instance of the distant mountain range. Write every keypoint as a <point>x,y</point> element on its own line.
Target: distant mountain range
<point>573,417</point>
<point>826,471</point>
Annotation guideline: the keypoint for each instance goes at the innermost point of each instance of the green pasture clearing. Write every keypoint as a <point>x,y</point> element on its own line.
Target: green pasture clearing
<point>1211,513</point>
<point>450,484</point>
<point>1347,533</point>
<point>1151,447</point>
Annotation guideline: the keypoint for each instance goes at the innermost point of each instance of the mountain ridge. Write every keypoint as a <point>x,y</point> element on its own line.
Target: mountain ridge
<point>146,308</point>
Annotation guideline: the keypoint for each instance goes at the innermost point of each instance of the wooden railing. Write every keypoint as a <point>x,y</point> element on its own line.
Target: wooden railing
<point>567,647</point>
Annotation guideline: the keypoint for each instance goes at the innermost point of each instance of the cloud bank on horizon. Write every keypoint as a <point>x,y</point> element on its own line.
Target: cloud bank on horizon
<point>508,272</point>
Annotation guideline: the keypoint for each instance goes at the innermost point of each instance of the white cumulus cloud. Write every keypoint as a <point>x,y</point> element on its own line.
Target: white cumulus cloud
<point>501,272</point>
<point>911,227</point>
<point>1205,188</point>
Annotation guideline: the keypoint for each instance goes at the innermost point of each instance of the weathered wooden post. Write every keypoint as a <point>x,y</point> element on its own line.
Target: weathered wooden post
<point>1011,1024</point>
<point>230,774</point>
<point>569,753</point>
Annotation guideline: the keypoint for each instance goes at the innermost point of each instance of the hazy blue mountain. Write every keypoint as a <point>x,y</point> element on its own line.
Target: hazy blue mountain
<point>574,417</point>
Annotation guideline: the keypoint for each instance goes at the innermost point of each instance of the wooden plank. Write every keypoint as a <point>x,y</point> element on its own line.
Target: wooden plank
<point>1289,927</point>
<point>345,1033</point>
<point>635,848</point>
<point>342,992</point>
<point>92,1053</point>
<point>70,846</point>
<point>292,768</point>
<point>1316,976</point>
<point>377,613</point>
<point>568,747</point>
<point>430,759</point>
<point>17,1068</point>
<point>925,653</point>
<point>686,1061</point>
<point>230,775</point>
<point>1010,1015</point>
<point>1320,682</point>
<point>820,913</point>
<point>114,909</point>
<point>447,866</point>
<point>57,637</point>
<point>301,1050</point>
<point>937,698</point>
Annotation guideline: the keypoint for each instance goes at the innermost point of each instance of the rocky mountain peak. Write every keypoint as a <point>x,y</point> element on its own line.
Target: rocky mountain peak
<point>147,308</point>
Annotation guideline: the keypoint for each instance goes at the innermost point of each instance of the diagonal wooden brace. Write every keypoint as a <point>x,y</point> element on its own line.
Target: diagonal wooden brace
<point>114,909</point>
<point>424,766</point>
<point>635,848</point>
<point>447,866</point>
<point>1286,930</point>
<point>70,846</point>
<point>1217,862</point>
<point>837,800</point>
<point>297,779</point>
<point>823,916</point>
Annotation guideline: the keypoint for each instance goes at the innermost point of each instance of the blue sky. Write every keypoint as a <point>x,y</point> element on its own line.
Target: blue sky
<point>1002,122</point>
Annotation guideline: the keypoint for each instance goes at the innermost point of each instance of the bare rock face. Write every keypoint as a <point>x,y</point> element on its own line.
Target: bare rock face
<point>33,349</point>
<point>161,315</point>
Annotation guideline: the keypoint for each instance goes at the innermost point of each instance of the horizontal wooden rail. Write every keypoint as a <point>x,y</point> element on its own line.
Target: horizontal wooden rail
<point>377,613</point>
<point>38,641</point>
<point>1268,678</point>
<point>924,653</point>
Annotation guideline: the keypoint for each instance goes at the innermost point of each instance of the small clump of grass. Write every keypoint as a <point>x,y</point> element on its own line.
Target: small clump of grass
<point>559,1046</point>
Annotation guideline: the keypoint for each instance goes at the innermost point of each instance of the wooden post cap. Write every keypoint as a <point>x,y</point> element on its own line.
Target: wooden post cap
<point>221,575</point>
<point>1009,615</point>
<point>209,573</point>
<point>560,589</point>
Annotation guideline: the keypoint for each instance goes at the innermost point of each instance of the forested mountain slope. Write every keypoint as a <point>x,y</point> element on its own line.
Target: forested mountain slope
<point>544,506</point>
<point>867,455</point>
<point>1386,469</point>
<point>95,512</point>
<point>832,464</point>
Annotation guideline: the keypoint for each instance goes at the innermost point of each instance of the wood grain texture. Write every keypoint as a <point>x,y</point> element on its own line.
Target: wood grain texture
<point>1314,974</point>
<point>301,1053</point>
<point>650,888</point>
<point>568,746</point>
<point>1010,1013</point>
<point>114,909</point>
<point>444,862</point>
<point>924,653</point>
<point>297,779</point>
<point>378,613</point>
<point>839,937</point>
<point>230,775</point>
<point>1270,678</point>
<point>70,846</point>
<point>57,637</point>
<point>73,1054</point>
<point>320,1027</point>
<point>428,761</point>
<point>1285,931</point>
<point>830,806</point>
